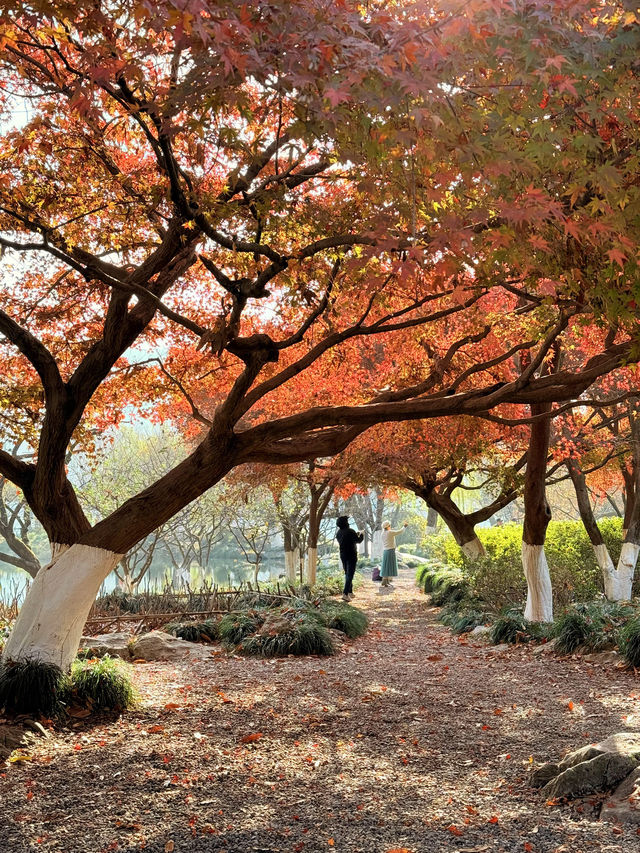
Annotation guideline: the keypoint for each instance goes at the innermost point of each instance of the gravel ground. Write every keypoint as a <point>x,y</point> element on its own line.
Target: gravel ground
<point>409,740</point>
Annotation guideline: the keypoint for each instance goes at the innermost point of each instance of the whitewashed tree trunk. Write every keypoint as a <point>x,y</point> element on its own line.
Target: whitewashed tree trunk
<point>539,594</point>
<point>57,549</point>
<point>376,545</point>
<point>291,560</point>
<point>473,548</point>
<point>312,565</point>
<point>609,575</point>
<point>618,582</point>
<point>50,622</point>
<point>296,565</point>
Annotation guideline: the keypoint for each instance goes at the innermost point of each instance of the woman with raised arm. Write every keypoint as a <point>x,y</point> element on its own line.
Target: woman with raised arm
<point>389,562</point>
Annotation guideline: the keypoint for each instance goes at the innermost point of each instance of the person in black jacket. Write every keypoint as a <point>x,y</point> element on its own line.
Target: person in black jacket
<point>348,541</point>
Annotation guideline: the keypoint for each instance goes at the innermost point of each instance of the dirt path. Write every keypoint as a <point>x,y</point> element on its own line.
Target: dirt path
<point>409,739</point>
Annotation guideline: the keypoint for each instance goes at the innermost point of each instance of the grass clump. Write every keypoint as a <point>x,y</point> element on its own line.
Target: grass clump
<point>594,625</point>
<point>235,626</point>
<point>512,627</point>
<point>292,633</point>
<point>195,632</point>
<point>102,684</point>
<point>630,642</point>
<point>462,617</point>
<point>423,570</point>
<point>343,617</point>
<point>33,687</point>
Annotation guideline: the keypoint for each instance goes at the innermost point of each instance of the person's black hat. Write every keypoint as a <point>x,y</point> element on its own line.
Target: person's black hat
<point>343,521</point>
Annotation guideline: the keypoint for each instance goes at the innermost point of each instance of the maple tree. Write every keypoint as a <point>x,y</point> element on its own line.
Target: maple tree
<point>255,193</point>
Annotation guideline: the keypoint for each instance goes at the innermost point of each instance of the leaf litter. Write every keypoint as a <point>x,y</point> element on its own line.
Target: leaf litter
<point>407,740</point>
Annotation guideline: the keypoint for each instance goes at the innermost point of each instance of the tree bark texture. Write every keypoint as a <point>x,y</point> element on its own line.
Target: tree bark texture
<point>52,617</point>
<point>537,514</point>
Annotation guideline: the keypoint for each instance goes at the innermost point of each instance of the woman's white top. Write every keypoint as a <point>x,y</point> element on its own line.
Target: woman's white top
<point>389,538</point>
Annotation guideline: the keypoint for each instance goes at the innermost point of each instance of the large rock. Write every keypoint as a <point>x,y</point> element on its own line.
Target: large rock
<point>601,773</point>
<point>623,806</point>
<point>158,645</point>
<point>11,737</point>
<point>116,645</point>
<point>591,769</point>
<point>547,648</point>
<point>19,736</point>
<point>608,658</point>
<point>481,634</point>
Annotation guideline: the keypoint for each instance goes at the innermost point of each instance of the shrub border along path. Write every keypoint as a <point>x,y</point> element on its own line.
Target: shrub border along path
<point>409,738</point>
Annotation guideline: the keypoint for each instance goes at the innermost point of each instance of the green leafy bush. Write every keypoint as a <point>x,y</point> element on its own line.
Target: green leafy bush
<point>235,626</point>
<point>33,687</point>
<point>498,579</point>
<point>195,632</point>
<point>343,617</point>
<point>290,633</point>
<point>102,684</point>
<point>448,586</point>
<point>630,642</point>
<point>423,569</point>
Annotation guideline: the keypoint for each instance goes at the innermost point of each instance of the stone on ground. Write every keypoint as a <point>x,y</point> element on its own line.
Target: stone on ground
<point>116,644</point>
<point>612,763</point>
<point>158,645</point>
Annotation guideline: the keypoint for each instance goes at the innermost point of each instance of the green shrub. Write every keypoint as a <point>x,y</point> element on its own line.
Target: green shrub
<point>102,684</point>
<point>498,579</point>
<point>573,630</point>
<point>196,632</point>
<point>430,577</point>
<point>33,687</point>
<point>447,587</point>
<point>422,570</point>
<point>630,642</point>
<point>343,617</point>
<point>284,634</point>
<point>235,626</point>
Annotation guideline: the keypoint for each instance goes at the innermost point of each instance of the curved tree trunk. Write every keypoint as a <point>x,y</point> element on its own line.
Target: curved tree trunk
<point>537,515</point>
<point>51,620</point>
<point>432,520</point>
<point>461,527</point>
<point>52,617</point>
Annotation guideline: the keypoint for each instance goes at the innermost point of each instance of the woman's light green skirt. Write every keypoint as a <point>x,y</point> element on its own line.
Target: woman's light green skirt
<point>389,563</point>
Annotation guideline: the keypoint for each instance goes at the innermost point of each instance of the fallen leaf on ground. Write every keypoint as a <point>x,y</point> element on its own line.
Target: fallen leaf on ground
<point>252,738</point>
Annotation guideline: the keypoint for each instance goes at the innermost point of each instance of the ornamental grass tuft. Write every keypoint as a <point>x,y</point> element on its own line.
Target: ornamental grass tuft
<point>281,635</point>
<point>630,643</point>
<point>512,627</point>
<point>102,684</point>
<point>343,617</point>
<point>594,625</point>
<point>33,687</point>
<point>235,626</point>
<point>195,632</point>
